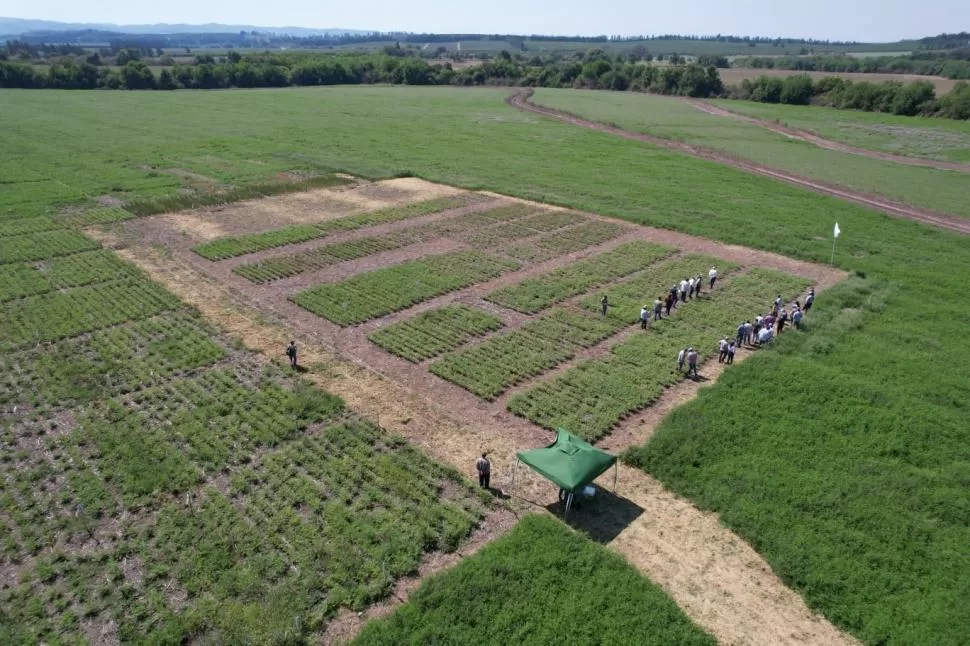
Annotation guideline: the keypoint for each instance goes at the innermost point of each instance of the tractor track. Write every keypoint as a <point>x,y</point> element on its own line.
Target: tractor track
<point>821,142</point>
<point>521,101</point>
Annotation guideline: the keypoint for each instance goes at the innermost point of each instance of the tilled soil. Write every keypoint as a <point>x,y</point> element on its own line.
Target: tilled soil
<point>875,202</point>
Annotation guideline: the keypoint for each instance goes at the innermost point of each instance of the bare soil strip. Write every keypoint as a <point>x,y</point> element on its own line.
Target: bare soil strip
<point>889,207</point>
<point>714,575</point>
<point>821,142</point>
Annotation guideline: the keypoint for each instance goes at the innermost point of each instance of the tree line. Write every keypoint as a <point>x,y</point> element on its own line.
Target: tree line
<point>909,99</point>
<point>591,70</point>
<point>953,64</point>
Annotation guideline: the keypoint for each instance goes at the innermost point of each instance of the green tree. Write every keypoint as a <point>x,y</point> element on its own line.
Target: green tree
<point>136,76</point>
<point>796,90</point>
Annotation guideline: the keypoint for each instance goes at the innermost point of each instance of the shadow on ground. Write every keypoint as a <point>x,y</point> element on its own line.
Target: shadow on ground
<point>601,517</point>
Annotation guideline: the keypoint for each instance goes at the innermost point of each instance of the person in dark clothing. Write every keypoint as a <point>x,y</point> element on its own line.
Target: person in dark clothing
<point>782,319</point>
<point>484,468</point>
<point>699,284</point>
<point>291,353</point>
<point>605,304</point>
<point>809,300</point>
<point>731,350</point>
<point>668,303</point>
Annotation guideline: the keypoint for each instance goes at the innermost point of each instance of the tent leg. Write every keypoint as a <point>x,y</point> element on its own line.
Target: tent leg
<point>569,503</point>
<point>616,473</point>
<point>515,471</point>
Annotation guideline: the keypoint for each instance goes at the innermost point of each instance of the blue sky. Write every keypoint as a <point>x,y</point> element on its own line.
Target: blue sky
<point>863,20</point>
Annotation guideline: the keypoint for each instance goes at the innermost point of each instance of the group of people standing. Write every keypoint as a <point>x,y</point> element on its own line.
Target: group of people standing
<point>685,290</point>
<point>761,332</point>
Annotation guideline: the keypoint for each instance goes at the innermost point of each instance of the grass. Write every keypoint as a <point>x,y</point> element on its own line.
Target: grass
<point>434,332</point>
<point>382,291</point>
<point>576,590</point>
<point>859,507</point>
<point>232,246</point>
<point>943,139</point>
<point>673,119</point>
<point>536,294</point>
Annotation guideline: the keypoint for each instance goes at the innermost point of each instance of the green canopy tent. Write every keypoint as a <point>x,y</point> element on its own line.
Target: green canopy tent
<point>570,462</point>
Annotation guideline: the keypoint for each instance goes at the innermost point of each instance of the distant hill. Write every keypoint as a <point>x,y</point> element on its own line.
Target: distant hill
<point>16,26</point>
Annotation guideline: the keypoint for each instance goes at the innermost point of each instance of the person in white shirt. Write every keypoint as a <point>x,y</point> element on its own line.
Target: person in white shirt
<point>681,357</point>
<point>796,319</point>
<point>644,317</point>
<point>690,288</point>
<point>683,289</point>
<point>809,300</point>
<point>722,350</point>
<point>764,336</point>
<point>712,275</point>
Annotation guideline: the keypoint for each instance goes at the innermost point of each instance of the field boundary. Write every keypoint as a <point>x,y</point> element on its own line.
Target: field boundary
<point>520,100</point>
<point>821,142</point>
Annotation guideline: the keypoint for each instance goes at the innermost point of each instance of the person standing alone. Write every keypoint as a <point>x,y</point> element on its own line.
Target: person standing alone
<point>291,353</point>
<point>605,304</point>
<point>484,468</point>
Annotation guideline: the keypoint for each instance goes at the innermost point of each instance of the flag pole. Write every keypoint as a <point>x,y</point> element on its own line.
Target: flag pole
<point>832,261</point>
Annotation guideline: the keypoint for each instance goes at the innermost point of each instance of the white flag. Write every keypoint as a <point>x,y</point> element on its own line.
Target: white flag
<point>837,230</point>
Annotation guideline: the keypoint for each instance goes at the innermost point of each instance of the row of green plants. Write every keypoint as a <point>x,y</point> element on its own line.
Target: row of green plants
<point>232,246</point>
<point>107,362</point>
<point>567,241</point>
<point>382,291</point>
<point>517,230</point>
<point>277,267</point>
<point>434,332</point>
<point>165,439</point>
<point>41,245</point>
<point>592,397</point>
<point>907,99</point>
<point>533,295</point>
<point>327,521</point>
<point>18,280</point>
<point>21,225</point>
<point>61,314</point>
<point>490,368</point>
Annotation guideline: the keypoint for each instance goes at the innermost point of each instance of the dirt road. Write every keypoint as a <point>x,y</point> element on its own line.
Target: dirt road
<point>889,207</point>
<point>828,144</point>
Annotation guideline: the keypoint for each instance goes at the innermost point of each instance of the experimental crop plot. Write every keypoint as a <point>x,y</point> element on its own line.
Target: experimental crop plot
<point>434,332</point>
<point>387,290</point>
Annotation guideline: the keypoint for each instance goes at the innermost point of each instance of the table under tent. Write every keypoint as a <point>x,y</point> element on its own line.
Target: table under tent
<point>570,462</point>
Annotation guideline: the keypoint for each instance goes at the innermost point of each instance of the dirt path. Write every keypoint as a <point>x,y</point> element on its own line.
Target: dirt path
<point>821,142</point>
<point>889,207</point>
<point>714,575</point>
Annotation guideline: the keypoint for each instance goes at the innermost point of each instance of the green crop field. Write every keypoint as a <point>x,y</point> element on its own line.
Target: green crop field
<point>435,332</point>
<point>943,139</point>
<point>841,454</point>
<point>390,289</point>
<point>576,590</point>
<point>535,294</point>
<point>498,363</point>
<point>669,118</point>
<point>592,397</point>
